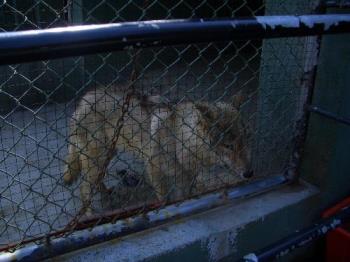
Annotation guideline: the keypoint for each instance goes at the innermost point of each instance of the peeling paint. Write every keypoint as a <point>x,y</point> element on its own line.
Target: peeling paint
<point>251,258</point>
<point>284,252</point>
<point>324,229</point>
<point>302,243</point>
<point>283,21</point>
<point>335,223</point>
<point>319,19</point>
<point>232,239</point>
<point>217,247</point>
<point>155,26</point>
<point>222,244</point>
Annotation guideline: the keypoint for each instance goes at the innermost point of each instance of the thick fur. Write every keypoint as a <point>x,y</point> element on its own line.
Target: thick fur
<point>175,141</point>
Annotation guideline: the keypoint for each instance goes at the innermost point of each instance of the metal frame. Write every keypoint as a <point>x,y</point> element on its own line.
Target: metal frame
<point>18,47</point>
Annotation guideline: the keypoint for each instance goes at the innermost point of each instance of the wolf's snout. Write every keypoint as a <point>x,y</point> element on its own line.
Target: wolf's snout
<point>248,174</point>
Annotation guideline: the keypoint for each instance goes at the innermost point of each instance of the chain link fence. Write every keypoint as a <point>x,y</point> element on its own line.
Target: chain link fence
<point>125,130</point>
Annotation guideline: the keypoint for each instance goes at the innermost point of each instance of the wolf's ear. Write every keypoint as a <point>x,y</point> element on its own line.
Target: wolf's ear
<point>238,99</point>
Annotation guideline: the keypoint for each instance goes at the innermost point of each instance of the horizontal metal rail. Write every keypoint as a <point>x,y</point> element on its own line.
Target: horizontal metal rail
<point>300,238</point>
<point>330,115</point>
<point>34,45</point>
<point>84,238</point>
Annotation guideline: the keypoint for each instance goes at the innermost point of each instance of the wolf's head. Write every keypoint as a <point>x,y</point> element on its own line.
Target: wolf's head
<point>229,135</point>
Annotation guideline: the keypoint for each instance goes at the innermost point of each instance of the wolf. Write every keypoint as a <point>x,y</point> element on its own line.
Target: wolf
<point>175,140</point>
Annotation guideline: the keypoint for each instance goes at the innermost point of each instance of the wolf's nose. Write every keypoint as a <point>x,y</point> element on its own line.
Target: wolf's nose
<point>248,174</point>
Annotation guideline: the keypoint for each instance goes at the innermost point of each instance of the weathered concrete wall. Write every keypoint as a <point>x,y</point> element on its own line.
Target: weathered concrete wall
<point>212,235</point>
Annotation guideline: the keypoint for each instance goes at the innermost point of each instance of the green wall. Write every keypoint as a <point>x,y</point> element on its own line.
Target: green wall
<point>326,161</point>
<point>325,164</point>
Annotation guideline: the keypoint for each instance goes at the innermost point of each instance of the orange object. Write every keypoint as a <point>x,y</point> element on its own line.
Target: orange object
<point>338,240</point>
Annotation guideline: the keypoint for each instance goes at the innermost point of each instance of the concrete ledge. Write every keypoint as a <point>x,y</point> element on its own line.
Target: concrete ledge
<point>216,230</point>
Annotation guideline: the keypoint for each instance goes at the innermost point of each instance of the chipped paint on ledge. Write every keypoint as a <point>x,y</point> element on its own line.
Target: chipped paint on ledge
<point>106,232</point>
<point>216,233</point>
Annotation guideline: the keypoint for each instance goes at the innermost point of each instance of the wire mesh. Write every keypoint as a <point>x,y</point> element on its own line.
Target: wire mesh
<point>135,128</point>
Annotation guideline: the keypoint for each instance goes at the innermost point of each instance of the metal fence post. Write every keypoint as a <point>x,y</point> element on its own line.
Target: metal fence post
<point>281,86</point>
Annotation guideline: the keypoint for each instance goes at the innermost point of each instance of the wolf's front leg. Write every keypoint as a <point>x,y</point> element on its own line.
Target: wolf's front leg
<point>167,177</point>
<point>92,165</point>
<point>165,173</point>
